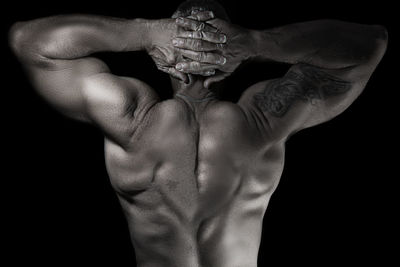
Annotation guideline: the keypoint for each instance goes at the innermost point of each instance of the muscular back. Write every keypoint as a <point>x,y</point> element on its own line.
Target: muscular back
<point>194,177</point>
<point>195,184</point>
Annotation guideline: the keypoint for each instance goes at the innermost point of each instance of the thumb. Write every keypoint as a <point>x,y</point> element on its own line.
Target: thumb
<point>174,73</point>
<point>178,75</point>
<point>218,23</point>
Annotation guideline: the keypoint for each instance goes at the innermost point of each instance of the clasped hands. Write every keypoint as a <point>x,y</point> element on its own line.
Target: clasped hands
<point>199,44</point>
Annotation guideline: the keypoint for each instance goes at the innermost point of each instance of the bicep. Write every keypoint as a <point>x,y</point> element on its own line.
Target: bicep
<point>306,96</point>
<point>60,82</point>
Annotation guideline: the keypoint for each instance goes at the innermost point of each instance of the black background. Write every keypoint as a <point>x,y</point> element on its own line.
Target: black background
<point>336,202</point>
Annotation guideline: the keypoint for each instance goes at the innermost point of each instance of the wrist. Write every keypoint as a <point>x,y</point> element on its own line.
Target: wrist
<point>146,40</point>
<point>138,35</point>
<point>256,39</point>
<point>154,33</point>
<point>265,46</point>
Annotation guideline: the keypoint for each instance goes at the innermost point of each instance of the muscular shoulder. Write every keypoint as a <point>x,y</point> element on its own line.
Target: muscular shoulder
<point>225,110</point>
<point>115,89</point>
<point>113,103</point>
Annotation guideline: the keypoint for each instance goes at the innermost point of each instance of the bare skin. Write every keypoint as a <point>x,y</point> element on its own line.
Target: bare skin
<point>194,174</point>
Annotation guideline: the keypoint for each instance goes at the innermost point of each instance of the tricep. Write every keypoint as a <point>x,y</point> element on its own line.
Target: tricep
<point>306,96</point>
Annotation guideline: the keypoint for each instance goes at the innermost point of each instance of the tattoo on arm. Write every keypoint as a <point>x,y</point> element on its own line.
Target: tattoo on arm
<point>305,83</point>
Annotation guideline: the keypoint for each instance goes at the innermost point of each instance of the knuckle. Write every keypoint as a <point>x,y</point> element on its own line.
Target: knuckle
<point>196,44</point>
<point>215,59</point>
<point>200,26</point>
<point>186,42</point>
<point>195,66</point>
<point>196,35</point>
<point>180,20</point>
<point>206,35</point>
<point>170,60</point>
<point>211,36</point>
<point>202,35</point>
<point>219,38</point>
<point>201,56</point>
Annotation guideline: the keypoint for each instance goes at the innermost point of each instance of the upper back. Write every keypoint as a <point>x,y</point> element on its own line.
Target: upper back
<point>195,146</point>
<point>195,177</point>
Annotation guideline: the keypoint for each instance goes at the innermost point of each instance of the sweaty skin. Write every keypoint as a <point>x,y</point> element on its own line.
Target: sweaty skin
<point>194,174</point>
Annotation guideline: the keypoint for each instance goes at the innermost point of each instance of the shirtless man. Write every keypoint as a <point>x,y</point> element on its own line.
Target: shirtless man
<point>194,174</point>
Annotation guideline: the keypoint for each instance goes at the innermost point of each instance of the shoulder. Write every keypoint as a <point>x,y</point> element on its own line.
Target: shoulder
<point>117,91</point>
<point>115,86</point>
<point>115,104</point>
<point>225,109</point>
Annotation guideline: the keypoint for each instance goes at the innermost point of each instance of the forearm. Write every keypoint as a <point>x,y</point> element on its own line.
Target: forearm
<point>76,36</point>
<point>324,43</point>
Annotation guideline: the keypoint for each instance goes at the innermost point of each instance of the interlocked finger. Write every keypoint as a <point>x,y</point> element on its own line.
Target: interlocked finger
<point>194,25</point>
<point>207,73</point>
<point>178,75</point>
<point>203,57</point>
<point>201,15</point>
<point>206,36</point>
<point>195,44</point>
<point>195,67</point>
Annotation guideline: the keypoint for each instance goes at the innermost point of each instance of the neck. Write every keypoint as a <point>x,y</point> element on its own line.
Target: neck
<point>194,91</point>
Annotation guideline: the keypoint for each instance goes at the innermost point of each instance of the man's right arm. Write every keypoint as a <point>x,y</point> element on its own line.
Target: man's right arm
<point>55,52</point>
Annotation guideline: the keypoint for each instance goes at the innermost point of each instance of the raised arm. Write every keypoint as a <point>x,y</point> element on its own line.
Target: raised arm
<point>332,62</point>
<point>55,52</point>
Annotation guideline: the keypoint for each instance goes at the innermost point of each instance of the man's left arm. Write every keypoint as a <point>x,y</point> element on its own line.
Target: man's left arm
<point>332,63</point>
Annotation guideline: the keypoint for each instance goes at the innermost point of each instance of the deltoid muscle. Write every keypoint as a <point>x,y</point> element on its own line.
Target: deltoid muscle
<point>303,82</point>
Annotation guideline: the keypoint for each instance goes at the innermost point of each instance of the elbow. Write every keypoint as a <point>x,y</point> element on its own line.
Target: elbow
<point>16,36</point>
<point>381,33</point>
<point>379,41</point>
<point>23,43</point>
